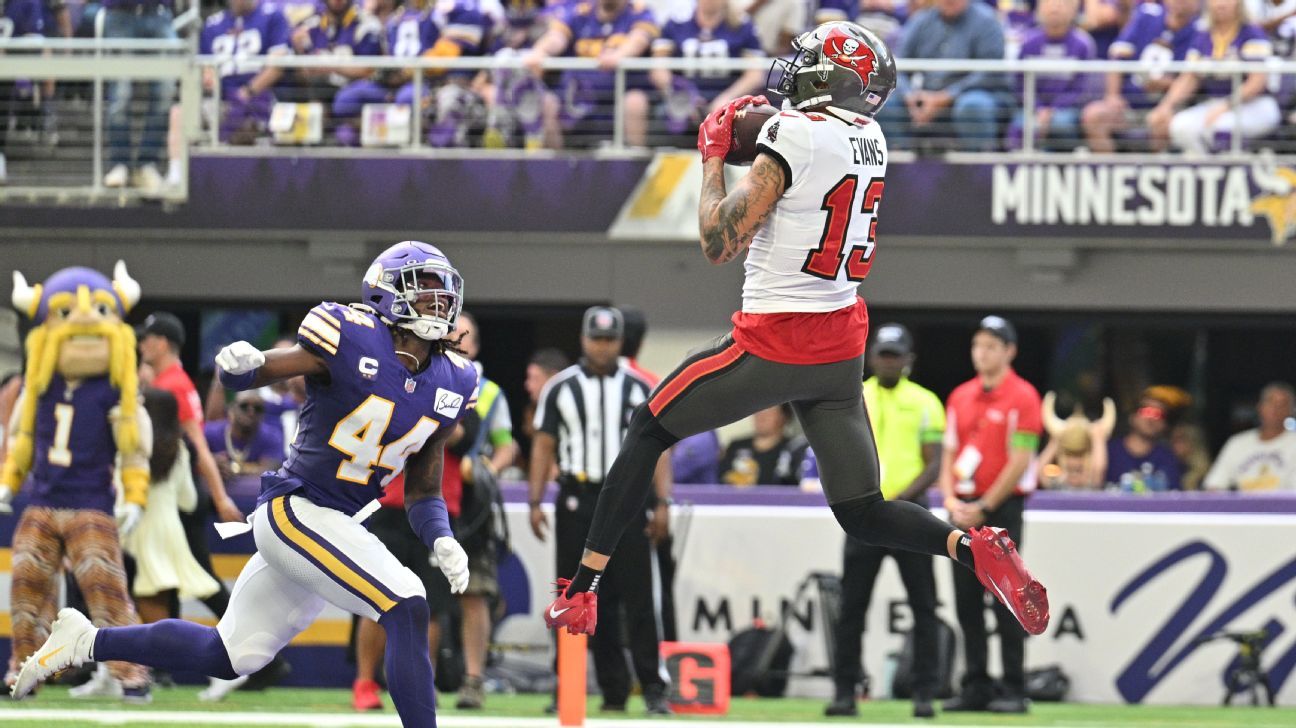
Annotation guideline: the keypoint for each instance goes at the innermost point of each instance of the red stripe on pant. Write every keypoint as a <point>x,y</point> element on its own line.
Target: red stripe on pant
<point>692,373</point>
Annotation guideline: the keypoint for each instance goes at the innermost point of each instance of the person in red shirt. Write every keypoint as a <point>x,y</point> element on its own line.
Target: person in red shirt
<point>160,339</point>
<point>987,467</point>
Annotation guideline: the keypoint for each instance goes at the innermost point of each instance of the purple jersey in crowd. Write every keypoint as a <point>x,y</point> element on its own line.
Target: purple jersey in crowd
<point>686,39</point>
<point>240,39</point>
<point>588,36</point>
<point>22,17</point>
<point>469,24</point>
<point>357,33</point>
<point>74,446</point>
<point>267,441</point>
<point>411,33</point>
<point>1250,44</point>
<point>1058,90</point>
<point>1158,470</point>
<point>1147,38</point>
<point>695,460</point>
<point>362,420</point>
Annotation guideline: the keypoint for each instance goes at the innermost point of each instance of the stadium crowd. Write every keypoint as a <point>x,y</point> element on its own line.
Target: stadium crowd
<point>527,106</point>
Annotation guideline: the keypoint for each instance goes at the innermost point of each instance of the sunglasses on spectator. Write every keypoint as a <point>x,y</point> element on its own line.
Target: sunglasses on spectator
<point>251,407</point>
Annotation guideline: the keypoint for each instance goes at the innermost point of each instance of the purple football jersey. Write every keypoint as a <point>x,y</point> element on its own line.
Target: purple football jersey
<point>241,40</point>
<point>360,423</point>
<point>469,24</point>
<point>589,36</point>
<point>1147,38</point>
<point>411,33</point>
<point>357,33</point>
<point>74,447</point>
<point>22,17</point>
<point>686,39</point>
<point>1250,44</point>
<point>695,460</point>
<point>1058,90</point>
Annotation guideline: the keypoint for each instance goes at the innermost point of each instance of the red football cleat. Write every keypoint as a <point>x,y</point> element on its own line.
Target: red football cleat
<point>364,696</point>
<point>578,613</point>
<point>1003,573</point>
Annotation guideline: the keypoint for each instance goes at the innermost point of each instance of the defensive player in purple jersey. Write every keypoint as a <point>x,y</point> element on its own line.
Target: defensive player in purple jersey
<point>240,36</point>
<point>712,31</point>
<point>384,389</point>
<point>1211,124</point>
<point>1155,34</point>
<point>608,30</point>
<point>1057,95</point>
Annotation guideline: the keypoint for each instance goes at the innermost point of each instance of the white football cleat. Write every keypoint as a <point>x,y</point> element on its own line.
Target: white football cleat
<point>117,177</point>
<point>70,644</point>
<point>219,689</point>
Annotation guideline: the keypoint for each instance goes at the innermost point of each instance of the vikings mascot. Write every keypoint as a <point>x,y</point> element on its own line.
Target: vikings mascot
<point>78,412</point>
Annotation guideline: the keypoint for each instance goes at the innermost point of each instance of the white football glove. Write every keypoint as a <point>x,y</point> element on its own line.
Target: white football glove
<point>239,358</point>
<point>6,496</point>
<point>449,556</point>
<point>128,517</point>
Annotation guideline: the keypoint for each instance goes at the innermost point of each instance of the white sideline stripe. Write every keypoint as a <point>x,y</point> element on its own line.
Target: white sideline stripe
<point>341,720</point>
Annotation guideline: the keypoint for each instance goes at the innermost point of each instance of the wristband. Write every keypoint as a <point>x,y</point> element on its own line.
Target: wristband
<point>237,382</point>
<point>429,519</point>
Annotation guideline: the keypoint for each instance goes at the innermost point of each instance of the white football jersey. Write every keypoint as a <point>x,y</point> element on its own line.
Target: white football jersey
<point>817,244</point>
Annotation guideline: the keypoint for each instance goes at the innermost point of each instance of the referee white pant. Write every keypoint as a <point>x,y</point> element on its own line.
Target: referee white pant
<point>1253,119</point>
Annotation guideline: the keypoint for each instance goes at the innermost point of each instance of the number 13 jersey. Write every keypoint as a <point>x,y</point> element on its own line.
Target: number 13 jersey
<point>361,422</point>
<point>817,244</point>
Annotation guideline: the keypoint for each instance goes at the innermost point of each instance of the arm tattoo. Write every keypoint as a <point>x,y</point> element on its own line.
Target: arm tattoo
<point>728,222</point>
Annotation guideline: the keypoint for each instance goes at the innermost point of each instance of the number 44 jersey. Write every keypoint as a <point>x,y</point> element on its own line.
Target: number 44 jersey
<point>361,422</point>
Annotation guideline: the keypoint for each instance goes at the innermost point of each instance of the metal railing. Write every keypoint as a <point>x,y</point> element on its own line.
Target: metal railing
<point>96,61</point>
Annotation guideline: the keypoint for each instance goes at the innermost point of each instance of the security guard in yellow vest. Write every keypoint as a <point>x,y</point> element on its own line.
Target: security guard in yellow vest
<point>908,424</point>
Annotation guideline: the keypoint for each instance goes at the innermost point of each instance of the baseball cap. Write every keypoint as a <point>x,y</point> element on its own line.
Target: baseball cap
<point>893,339</point>
<point>603,322</point>
<point>165,325</point>
<point>1000,327</point>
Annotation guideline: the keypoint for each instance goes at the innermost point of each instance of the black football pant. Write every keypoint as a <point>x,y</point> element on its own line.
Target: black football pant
<point>860,565</point>
<point>722,383</point>
<point>970,602</point>
<point>627,595</point>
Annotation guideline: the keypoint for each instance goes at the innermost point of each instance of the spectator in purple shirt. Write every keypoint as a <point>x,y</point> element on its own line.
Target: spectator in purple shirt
<point>240,36</point>
<point>245,444</point>
<point>1141,460</point>
<point>1210,124</point>
<point>1155,34</point>
<point>1057,95</point>
<point>695,460</point>
<point>339,30</point>
<point>713,31</point>
<point>1103,19</point>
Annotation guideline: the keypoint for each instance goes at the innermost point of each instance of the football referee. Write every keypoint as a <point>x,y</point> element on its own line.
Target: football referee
<point>581,419</point>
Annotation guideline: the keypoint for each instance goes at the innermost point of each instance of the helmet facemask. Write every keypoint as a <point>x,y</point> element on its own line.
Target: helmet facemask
<point>426,297</point>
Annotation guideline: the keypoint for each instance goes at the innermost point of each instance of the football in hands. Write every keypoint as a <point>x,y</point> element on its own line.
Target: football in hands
<point>747,125</point>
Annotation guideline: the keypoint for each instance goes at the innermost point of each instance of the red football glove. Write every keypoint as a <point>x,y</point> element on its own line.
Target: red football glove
<point>715,135</point>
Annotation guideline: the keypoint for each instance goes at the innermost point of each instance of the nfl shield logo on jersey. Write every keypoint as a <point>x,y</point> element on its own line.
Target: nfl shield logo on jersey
<point>409,385</point>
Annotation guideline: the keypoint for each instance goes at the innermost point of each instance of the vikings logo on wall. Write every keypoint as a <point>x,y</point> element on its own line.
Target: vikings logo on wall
<point>849,52</point>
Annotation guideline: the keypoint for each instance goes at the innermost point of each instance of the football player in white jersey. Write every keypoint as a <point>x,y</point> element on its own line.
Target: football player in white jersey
<point>806,216</point>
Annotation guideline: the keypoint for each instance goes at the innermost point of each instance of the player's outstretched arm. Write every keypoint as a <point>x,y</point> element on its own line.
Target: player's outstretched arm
<point>728,220</point>
<point>242,366</point>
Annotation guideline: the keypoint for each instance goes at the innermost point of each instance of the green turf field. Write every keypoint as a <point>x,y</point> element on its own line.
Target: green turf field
<point>294,707</point>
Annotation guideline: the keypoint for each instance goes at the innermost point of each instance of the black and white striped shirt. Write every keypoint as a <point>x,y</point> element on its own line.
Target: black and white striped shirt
<point>589,414</point>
